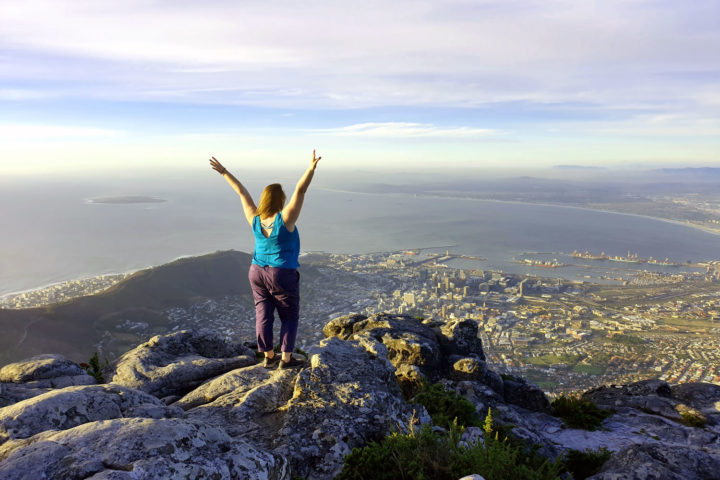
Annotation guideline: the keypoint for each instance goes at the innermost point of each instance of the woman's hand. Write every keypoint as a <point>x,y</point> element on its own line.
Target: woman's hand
<point>314,161</point>
<point>217,166</point>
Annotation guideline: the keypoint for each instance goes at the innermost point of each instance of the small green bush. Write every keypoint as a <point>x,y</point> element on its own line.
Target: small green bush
<point>428,455</point>
<point>419,455</point>
<point>585,463</point>
<point>579,412</point>
<point>94,368</point>
<point>445,406</point>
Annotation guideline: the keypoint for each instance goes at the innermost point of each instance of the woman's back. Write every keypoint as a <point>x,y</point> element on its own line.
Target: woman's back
<point>280,248</point>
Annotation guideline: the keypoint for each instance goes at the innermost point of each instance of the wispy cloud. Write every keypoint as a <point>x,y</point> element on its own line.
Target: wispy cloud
<point>37,133</point>
<point>347,54</point>
<point>533,73</point>
<point>406,130</point>
<point>21,94</point>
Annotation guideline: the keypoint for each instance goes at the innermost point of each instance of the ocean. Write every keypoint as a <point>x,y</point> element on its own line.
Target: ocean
<point>51,232</point>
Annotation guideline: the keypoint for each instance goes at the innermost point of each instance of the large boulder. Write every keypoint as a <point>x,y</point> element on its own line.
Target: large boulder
<point>433,347</point>
<point>37,375</point>
<point>650,396</point>
<point>246,402</point>
<point>176,363</point>
<point>704,397</point>
<point>46,370</point>
<point>408,340</point>
<point>460,337</point>
<point>658,461</point>
<point>72,406</point>
<point>526,395</point>
<point>342,327</point>
<point>138,449</point>
<point>347,397</point>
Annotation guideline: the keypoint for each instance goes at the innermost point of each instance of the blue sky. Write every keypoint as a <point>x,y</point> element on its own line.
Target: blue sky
<point>129,85</point>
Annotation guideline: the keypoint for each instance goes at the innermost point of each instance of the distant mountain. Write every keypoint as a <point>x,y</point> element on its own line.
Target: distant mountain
<point>72,328</point>
<point>698,172</point>
<point>578,167</point>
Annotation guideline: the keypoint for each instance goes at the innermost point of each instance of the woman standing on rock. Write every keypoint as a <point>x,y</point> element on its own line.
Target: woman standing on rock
<point>273,275</point>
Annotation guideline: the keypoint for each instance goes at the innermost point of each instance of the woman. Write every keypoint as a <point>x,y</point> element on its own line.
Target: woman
<point>273,275</point>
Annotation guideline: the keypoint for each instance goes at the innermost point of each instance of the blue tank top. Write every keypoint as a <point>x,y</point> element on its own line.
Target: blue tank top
<point>279,249</point>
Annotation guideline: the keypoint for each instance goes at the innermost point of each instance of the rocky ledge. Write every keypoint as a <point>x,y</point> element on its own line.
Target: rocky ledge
<point>192,405</point>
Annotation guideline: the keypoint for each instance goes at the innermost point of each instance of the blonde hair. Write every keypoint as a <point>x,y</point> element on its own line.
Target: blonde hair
<point>271,201</point>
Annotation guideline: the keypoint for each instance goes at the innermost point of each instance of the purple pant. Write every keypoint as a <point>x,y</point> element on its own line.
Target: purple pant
<point>275,288</point>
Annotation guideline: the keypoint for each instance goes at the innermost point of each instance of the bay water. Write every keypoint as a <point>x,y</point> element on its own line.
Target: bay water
<point>52,231</point>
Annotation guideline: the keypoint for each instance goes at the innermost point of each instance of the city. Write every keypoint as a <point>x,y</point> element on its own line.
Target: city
<point>562,335</point>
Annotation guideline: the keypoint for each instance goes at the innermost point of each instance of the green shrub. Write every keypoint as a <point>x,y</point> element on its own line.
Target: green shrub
<point>428,455</point>
<point>421,455</point>
<point>584,463</point>
<point>94,368</point>
<point>579,412</point>
<point>445,406</point>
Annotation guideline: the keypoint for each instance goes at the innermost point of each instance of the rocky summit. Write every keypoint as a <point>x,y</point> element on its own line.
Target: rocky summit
<point>193,405</point>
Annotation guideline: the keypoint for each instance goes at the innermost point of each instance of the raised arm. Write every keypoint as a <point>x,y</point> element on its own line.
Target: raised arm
<point>247,201</point>
<point>291,212</point>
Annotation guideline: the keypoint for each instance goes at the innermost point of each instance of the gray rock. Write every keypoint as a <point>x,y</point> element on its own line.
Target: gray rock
<point>235,419</point>
<point>525,395</point>
<point>40,367</point>
<point>246,402</point>
<point>697,394</point>
<point>480,395</point>
<point>342,327</point>
<point>467,368</point>
<point>139,449</point>
<point>410,379</point>
<point>176,363</point>
<point>408,348</point>
<point>346,397</point>
<point>411,341</point>
<point>493,380</point>
<point>460,337</point>
<point>658,461</point>
<point>72,406</point>
<point>704,397</point>
<point>11,393</point>
<point>37,375</point>
<point>649,396</point>
<point>648,387</point>
<point>472,436</point>
<point>408,340</point>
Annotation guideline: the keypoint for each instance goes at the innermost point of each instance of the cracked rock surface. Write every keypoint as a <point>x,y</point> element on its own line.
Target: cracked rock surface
<point>193,405</point>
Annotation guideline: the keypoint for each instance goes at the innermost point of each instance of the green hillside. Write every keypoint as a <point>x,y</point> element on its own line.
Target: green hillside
<point>72,328</point>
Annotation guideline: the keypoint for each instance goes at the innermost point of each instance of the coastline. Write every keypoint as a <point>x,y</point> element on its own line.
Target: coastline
<point>686,223</point>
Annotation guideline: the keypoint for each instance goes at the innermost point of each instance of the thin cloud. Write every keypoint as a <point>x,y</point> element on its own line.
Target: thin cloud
<point>23,132</point>
<point>406,130</point>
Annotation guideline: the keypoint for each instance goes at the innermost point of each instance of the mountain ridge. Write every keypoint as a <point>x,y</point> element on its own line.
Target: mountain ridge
<point>75,326</point>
